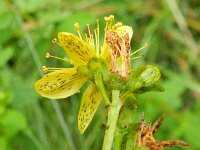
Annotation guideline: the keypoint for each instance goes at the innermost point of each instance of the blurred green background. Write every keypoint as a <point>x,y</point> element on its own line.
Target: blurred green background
<point>31,122</point>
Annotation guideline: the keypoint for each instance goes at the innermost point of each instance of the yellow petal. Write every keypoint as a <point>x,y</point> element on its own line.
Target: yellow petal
<point>105,54</point>
<point>78,50</point>
<point>89,104</point>
<point>122,30</point>
<point>60,84</point>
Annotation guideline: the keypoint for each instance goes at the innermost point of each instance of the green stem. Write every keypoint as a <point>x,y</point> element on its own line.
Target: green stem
<point>113,113</point>
<point>118,139</point>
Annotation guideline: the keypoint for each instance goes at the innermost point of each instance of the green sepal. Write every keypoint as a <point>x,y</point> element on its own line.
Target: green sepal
<point>97,71</point>
<point>155,87</point>
<point>115,82</point>
<point>105,71</point>
<point>143,78</point>
<point>94,65</point>
<point>83,70</point>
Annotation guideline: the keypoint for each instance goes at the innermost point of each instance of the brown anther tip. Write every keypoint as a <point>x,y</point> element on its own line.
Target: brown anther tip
<point>54,40</point>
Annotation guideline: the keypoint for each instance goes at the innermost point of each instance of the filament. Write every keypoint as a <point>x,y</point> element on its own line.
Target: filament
<point>48,55</point>
<point>140,49</point>
<point>137,57</point>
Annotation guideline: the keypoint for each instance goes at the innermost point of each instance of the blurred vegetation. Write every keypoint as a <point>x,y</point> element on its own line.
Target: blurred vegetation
<point>29,121</point>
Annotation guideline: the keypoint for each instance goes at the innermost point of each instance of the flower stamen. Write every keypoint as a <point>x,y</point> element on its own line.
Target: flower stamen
<point>55,41</point>
<point>77,28</point>
<point>48,55</point>
<point>96,41</point>
<point>98,44</point>
<point>145,45</point>
<point>47,70</point>
<point>137,57</point>
<point>109,21</point>
<point>111,18</point>
<point>44,69</point>
<point>89,33</point>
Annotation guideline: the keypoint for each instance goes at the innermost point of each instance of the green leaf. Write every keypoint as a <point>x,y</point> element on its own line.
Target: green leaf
<point>3,143</point>
<point>13,122</point>
<point>81,17</point>
<point>5,54</point>
<point>7,18</point>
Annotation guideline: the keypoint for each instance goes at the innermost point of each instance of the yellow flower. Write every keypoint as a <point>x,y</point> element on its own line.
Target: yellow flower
<point>64,82</point>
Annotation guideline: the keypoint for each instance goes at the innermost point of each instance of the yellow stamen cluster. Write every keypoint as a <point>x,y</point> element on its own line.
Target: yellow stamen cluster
<point>109,21</point>
<point>91,38</point>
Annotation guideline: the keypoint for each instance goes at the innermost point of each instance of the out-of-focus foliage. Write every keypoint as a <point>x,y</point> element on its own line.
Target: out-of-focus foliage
<point>29,122</point>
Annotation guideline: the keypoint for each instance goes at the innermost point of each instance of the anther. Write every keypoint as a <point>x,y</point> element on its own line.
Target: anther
<point>76,26</point>
<point>111,17</point>
<point>54,40</point>
<point>47,55</point>
<point>109,21</point>
<point>106,18</point>
<point>44,69</point>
